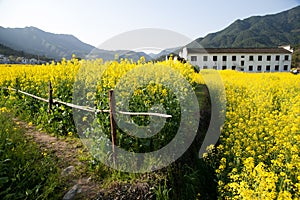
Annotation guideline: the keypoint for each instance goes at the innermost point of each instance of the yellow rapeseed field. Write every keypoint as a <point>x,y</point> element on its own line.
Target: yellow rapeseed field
<point>260,142</point>
<point>259,151</point>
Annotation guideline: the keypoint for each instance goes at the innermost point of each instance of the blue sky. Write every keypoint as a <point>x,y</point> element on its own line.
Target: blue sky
<point>95,21</point>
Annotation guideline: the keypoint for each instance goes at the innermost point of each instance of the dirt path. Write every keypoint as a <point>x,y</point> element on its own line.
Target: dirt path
<point>66,152</point>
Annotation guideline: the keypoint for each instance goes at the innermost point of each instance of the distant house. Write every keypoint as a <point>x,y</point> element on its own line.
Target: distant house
<point>241,59</point>
<point>33,61</point>
<point>25,60</point>
<point>4,59</point>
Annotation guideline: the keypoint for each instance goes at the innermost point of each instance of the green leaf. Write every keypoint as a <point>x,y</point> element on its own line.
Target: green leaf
<point>4,180</point>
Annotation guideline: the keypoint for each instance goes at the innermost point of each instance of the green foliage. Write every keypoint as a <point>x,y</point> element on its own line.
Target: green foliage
<point>4,50</point>
<point>162,191</point>
<point>258,31</point>
<point>181,182</point>
<point>296,57</point>
<point>25,171</point>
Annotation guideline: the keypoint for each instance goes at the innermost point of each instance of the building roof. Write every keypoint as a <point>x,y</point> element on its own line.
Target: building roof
<point>238,50</point>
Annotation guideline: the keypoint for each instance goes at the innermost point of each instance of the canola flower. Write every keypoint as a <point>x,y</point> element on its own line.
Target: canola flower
<point>260,141</point>
<point>95,79</point>
<point>261,137</point>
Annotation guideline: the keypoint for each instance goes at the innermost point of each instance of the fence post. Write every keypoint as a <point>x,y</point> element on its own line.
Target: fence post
<point>112,122</point>
<point>17,84</point>
<point>18,87</point>
<point>50,97</point>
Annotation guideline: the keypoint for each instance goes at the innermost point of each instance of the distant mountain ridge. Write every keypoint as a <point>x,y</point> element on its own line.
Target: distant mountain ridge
<point>36,41</point>
<point>257,31</point>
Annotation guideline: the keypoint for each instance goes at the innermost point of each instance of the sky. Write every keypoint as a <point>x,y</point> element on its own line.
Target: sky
<point>96,21</point>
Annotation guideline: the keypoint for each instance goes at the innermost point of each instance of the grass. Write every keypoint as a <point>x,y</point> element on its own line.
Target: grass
<point>25,171</point>
<point>187,178</point>
<point>28,173</point>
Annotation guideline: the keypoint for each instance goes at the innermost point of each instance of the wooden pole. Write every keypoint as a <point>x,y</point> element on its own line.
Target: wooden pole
<point>50,97</point>
<point>112,122</point>
<point>18,87</point>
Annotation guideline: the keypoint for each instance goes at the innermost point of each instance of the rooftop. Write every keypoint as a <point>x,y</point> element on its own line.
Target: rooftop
<point>238,50</point>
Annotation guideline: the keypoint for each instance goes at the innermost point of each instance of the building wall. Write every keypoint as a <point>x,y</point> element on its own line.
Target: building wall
<point>242,62</point>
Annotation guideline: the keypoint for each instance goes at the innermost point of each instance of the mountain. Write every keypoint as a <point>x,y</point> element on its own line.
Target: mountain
<point>133,55</point>
<point>112,55</point>
<point>35,41</point>
<point>161,55</point>
<point>32,40</point>
<point>257,31</point>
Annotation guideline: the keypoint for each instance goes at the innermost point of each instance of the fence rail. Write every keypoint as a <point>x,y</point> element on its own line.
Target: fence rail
<point>28,94</point>
<point>111,111</point>
<point>50,100</point>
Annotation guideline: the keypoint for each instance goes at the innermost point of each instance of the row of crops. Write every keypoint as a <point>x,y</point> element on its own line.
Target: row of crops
<point>258,154</point>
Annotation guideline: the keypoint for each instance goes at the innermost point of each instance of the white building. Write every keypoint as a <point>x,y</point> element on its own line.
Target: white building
<point>33,61</point>
<point>241,59</point>
<point>25,60</point>
<point>3,59</point>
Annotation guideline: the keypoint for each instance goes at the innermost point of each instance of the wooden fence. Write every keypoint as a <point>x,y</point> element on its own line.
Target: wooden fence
<point>111,110</point>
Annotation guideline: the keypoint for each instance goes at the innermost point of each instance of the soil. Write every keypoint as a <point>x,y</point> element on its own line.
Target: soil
<point>66,153</point>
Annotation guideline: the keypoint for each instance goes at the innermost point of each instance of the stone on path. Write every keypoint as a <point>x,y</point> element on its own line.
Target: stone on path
<point>71,193</point>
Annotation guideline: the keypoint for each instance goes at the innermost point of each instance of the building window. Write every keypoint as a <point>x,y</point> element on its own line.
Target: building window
<point>259,58</point>
<point>251,58</point>
<point>242,56</point>
<point>250,68</point>
<point>204,67</point>
<point>215,67</point>
<point>268,67</point>
<point>285,67</point>
<point>204,58</point>
<point>268,58</point>
<point>286,57</point>
<point>224,67</point>
<point>276,67</point>
<point>242,63</point>
<point>259,68</point>
<point>277,58</point>
<point>242,69</point>
<point>233,58</point>
<point>224,58</point>
<point>233,67</point>
<point>215,58</point>
<point>193,58</point>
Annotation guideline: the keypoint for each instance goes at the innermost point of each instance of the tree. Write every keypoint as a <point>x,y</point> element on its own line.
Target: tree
<point>12,58</point>
<point>296,57</point>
